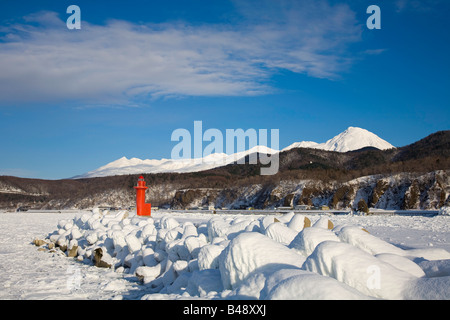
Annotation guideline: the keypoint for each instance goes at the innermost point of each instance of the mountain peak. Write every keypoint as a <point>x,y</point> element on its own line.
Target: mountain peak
<point>353,138</point>
<point>355,129</point>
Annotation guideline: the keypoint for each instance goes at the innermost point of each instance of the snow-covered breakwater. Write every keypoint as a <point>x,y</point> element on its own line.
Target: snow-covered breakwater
<point>254,257</point>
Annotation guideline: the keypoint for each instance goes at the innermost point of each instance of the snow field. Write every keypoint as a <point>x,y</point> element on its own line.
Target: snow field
<point>255,257</point>
<point>444,211</point>
<point>30,273</point>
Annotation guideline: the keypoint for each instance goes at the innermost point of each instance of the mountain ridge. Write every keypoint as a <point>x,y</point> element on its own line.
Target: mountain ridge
<point>135,165</point>
<point>353,138</point>
<point>416,176</point>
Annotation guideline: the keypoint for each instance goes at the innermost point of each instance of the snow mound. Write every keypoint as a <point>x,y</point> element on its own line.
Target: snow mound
<point>401,263</point>
<point>308,239</point>
<point>357,237</point>
<point>299,222</point>
<point>311,286</point>
<point>250,251</point>
<point>253,257</point>
<point>358,269</point>
<point>280,233</point>
<point>367,242</point>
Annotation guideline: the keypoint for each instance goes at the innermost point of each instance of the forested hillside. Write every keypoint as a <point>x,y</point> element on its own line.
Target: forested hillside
<point>411,177</point>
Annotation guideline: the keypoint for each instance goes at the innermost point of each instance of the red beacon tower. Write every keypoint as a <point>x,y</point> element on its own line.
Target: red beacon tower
<point>142,208</point>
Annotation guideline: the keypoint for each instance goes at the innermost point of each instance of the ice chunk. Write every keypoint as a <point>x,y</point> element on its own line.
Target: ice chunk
<point>62,223</point>
<point>147,274</point>
<point>148,257</point>
<point>92,238</point>
<point>218,227</point>
<point>168,223</point>
<point>148,230</point>
<point>118,240</point>
<point>189,230</point>
<point>173,234</point>
<point>133,243</point>
<point>75,233</point>
<point>178,250</point>
<point>208,256</point>
<point>193,244</point>
<point>180,266</point>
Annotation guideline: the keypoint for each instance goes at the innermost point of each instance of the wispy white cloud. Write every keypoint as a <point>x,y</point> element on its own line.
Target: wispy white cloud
<point>123,62</point>
<point>374,52</point>
<point>416,5</point>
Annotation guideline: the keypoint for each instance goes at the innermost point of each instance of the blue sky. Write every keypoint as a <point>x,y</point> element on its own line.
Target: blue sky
<point>74,100</point>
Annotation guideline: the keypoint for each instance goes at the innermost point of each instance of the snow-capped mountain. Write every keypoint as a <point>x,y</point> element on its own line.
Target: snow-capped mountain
<point>351,139</point>
<point>124,166</point>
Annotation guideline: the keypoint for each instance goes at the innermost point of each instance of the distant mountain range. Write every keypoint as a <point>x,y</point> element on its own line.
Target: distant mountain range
<point>124,166</point>
<point>351,139</point>
<point>416,176</point>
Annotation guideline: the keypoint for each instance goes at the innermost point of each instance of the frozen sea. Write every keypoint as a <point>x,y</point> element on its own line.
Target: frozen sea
<point>29,274</point>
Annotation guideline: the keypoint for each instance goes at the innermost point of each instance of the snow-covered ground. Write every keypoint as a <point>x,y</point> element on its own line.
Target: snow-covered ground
<point>204,256</point>
<point>26,273</point>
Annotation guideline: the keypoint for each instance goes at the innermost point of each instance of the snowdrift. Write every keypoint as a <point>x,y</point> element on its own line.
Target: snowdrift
<point>247,257</point>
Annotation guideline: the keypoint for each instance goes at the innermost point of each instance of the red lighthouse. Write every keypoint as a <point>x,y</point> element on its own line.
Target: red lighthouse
<point>142,208</point>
